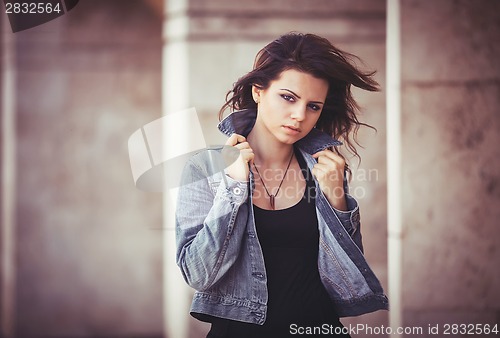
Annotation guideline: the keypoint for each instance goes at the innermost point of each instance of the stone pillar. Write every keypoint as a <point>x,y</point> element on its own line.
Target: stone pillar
<point>451,194</point>
<point>8,179</point>
<point>88,249</point>
<point>394,163</point>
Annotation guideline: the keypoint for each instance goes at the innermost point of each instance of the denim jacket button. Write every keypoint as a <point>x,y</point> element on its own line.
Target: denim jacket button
<point>237,191</point>
<point>258,274</point>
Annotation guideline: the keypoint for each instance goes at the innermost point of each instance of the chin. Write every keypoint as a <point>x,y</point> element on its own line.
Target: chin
<point>286,139</point>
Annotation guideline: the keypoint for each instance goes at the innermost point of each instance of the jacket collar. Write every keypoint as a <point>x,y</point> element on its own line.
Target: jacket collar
<point>242,122</point>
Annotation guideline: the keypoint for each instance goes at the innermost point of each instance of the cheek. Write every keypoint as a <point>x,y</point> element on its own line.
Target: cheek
<point>276,109</point>
<point>315,118</point>
<point>277,103</point>
<point>309,124</point>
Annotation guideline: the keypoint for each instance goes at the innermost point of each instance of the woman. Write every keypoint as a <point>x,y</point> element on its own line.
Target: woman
<point>271,243</point>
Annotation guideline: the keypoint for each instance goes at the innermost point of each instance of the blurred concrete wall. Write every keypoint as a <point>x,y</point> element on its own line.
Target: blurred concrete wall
<point>451,158</point>
<point>88,259</point>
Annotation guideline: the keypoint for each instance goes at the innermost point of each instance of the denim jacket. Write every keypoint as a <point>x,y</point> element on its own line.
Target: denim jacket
<point>219,254</point>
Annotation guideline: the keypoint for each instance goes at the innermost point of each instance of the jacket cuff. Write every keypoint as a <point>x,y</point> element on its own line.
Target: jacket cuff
<point>349,218</point>
<point>232,190</point>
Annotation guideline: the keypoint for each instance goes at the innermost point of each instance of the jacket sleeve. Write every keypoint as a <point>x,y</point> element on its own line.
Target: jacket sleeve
<point>350,218</point>
<point>208,240</point>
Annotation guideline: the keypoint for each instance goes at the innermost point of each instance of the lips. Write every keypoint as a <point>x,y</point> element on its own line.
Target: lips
<point>292,128</point>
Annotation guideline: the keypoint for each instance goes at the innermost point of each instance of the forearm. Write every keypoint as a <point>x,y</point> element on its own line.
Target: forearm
<point>336,198</point>
<point>208,240</point>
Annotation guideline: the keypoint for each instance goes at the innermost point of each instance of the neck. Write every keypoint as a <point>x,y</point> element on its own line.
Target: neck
<point>269,152</point>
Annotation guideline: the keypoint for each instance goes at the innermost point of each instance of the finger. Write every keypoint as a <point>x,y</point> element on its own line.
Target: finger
<point>320,153</point>
<point>246,151</point>
<point>325,171</point>
<point>326,160</point>
<point>331,164</point>
<point>235,139</point>
<point>328,153</point>
<point>323,168</point>
<point>326,156</point>
<point>317,173</point>
<point>241,146</point>
<point>247,155</point>
<point>231,141</point>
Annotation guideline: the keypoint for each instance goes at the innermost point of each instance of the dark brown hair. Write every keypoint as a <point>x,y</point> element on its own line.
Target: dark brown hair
<point>315,55</point>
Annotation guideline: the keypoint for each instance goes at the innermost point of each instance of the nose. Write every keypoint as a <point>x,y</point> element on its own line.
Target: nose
<point>298,113</point>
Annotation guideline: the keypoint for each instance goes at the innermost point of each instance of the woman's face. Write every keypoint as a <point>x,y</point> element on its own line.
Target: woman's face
<point>290,107</point>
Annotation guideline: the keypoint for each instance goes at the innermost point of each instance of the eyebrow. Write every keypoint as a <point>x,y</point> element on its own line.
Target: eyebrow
<point>288,90</point>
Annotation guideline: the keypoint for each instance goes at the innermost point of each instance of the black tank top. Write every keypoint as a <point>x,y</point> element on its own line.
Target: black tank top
<point>290,240</point>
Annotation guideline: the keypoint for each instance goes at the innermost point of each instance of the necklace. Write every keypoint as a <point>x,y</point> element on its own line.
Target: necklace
<point>272,197</point>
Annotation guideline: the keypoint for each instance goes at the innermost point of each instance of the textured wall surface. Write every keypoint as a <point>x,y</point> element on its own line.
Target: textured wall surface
<point>451,123</point>
<point>88,257</point>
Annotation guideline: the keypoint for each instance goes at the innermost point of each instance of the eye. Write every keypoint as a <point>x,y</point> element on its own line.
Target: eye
<point>288,97</point>
<point>315,107</point>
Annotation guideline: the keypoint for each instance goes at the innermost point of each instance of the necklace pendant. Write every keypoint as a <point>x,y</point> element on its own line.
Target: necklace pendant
<point>271,199</point>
